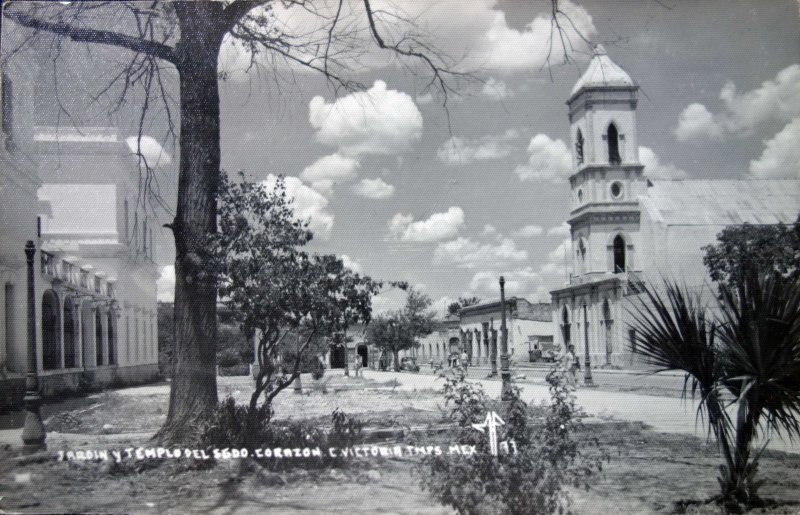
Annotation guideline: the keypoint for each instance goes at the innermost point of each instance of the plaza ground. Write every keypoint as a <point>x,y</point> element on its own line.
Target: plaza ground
<point>651,466</point>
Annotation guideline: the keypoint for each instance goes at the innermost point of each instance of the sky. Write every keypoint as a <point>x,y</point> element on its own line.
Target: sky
<point>450,198</point>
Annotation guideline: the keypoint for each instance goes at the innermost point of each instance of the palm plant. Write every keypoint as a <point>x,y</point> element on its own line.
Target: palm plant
<point>749,352</point>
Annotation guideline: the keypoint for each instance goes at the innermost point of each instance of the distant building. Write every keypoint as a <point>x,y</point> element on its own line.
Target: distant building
<point>476,328</point>
<point>75,193</point>
<point>527,324</point>
<point>444,340</point>
<point>627,229</point>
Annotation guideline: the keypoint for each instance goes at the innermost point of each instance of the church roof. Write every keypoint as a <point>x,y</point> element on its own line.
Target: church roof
<point>723,202</point>
<point>602,71</point>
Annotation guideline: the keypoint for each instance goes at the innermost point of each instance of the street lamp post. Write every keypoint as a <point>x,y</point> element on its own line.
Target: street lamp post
<point>505,373</point>
<point>33,433</point>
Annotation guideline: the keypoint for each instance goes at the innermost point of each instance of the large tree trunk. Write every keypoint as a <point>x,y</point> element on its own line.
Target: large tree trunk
<point>193,393</point>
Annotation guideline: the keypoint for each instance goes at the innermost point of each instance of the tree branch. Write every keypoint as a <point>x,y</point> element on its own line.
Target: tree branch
<point>295,371</point>
<point>86,35</point>
<point>237,10</point>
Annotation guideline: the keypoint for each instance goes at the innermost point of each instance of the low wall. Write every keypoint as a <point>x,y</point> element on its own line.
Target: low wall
<point>56,383</point>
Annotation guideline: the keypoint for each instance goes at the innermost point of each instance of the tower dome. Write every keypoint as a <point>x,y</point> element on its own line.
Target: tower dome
<point>602,72</point>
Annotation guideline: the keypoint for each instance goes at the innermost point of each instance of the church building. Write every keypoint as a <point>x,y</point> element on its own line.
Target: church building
<point>627,229</point>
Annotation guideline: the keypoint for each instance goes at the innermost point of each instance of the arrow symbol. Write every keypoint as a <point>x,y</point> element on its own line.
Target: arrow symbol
<point>491,423</point>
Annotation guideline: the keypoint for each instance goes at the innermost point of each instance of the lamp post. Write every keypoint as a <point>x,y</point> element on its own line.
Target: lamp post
<point>33,433</point>
<point>505,373</point>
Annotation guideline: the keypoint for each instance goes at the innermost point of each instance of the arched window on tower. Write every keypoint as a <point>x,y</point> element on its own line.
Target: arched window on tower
<point>613,145</point>
<point>579,147</point>
<point>619,254</point>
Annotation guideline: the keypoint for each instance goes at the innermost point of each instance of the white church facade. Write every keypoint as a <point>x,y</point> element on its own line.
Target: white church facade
<point>73,193</point>
<point>627,229</point>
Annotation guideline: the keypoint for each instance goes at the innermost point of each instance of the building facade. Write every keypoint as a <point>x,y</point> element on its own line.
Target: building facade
<point>73,192</point>
<point>628,230</point>
<point>527,325</point>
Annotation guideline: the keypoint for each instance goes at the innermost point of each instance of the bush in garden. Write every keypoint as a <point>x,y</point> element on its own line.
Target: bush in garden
<point>549,457</point>
<point>229,429</point>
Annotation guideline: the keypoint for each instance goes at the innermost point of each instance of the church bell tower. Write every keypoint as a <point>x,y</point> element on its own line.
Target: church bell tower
<point>607,177</point>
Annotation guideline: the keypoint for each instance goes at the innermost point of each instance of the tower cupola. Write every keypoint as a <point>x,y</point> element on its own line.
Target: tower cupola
<point>607,177</point>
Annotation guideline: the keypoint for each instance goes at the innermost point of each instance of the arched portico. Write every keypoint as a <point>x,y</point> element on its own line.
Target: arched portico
<point>51,331</point>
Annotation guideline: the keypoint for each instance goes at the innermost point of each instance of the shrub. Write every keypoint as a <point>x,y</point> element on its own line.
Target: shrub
<point>236,370</point>
<point>549,458</point>
<point>232,428</point>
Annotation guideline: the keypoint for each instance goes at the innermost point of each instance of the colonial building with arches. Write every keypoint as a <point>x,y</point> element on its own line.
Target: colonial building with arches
<point>73,192</point>
<point>627,229</point>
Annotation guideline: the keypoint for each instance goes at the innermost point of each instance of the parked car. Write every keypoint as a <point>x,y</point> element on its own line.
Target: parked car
<point>409,364</point>
<point>549,352</point>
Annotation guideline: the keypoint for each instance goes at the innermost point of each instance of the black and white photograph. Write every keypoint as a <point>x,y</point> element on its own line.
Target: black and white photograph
<point>400,256</point>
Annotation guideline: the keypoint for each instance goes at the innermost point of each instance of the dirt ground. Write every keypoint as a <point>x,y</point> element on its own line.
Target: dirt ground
<point>647,473</point>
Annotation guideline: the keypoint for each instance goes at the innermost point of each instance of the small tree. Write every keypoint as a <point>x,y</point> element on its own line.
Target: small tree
<point>401,329</point>
<point>463,302</point>
<point>752,352</point>
<point>746,250</point>
<point>290,300</point>
<point>547,456</point>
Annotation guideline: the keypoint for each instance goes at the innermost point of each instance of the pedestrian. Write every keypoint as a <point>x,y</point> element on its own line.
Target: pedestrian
<point>464,360</point>
<point>537,353</point>
<point>357,365</point>
<point>570,363</point>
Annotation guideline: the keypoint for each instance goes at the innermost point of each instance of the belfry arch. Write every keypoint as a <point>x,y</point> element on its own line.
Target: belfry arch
<point>612,137</point>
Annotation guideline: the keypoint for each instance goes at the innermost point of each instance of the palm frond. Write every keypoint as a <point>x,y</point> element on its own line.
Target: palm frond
<point>672,332</point>
<point>760,342</point>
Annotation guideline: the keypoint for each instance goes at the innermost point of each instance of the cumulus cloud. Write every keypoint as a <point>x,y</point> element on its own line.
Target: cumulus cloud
<point>438,227</point>
<point>496,90</point>
<point>165,285</point>
<point>351,263</point>
<point>334,167</point>
<point>460,151</point>
<point>781,156</point>
<point>695,122</point>
<point>548,160</point>
<point>466,253</point>
<point>506,49</point>
<point>529,231</point>
<point>376,121</point>
<point>655,169</point>
<point>520,282</point>
<point>308,204</point>
<point>373,188</point>
<point>776,100</point>
<point>559,230</point>
<point>150,149</point>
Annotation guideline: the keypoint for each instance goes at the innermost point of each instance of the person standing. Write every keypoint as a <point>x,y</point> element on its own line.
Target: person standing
<point>464,360</point>
<point>357,365</point>
<point>570,363</point>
